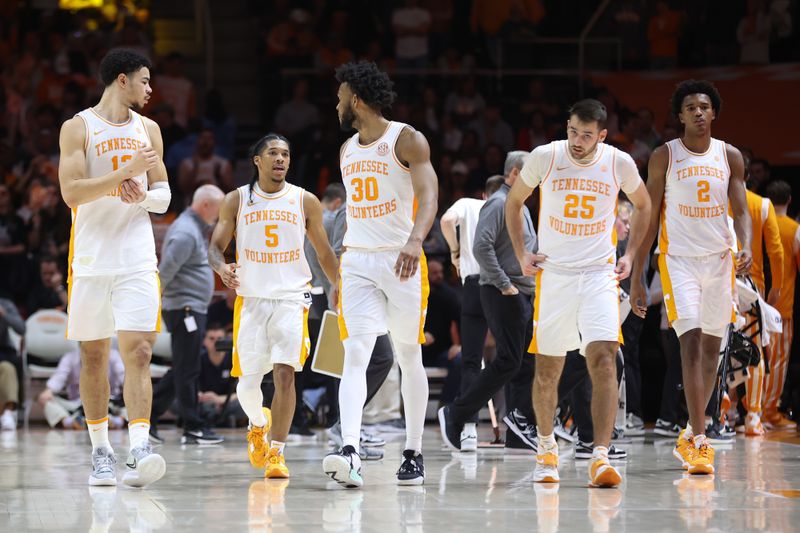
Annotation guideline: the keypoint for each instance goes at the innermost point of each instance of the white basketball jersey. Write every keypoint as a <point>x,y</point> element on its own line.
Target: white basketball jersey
<point>694,215</point>
<point>380,197</point>
<point>578,206</point>
<point>110,237</point>
<point>270,232</point>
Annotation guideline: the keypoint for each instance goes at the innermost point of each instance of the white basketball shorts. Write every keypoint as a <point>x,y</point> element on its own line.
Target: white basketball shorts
<point>573,309</point>
<point>99,306</point>
<point>373,300</point>
<point>699,292</point>
<point>268,332</point>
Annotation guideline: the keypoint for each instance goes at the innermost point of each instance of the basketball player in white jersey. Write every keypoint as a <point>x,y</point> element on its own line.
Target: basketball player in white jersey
<point>112,176</point>
<point>690,181</point>
<point>577,276</point>
<point>270,219</point>
<point>392,201</point>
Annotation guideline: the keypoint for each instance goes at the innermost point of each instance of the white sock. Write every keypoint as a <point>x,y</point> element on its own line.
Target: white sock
<point>98,433</point>
<point>547,443</point>
<point>600,452</point>
<point>414,387</point>
<point>688,434</point>
<point>353,387</point>
<point>470,428</point>
<point>277,444</point>
<point>138,431</point>
<point>248,391</point>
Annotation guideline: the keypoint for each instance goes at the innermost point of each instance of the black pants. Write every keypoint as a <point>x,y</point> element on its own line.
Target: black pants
<point>631,332</point>
<point>180,383</point>
<point>510,321</point>
<point>473,333</point>
<point>671,392</point>
<point>575,389</point>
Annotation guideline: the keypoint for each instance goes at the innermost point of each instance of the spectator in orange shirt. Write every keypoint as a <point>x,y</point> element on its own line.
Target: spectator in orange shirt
<point>662,33</point>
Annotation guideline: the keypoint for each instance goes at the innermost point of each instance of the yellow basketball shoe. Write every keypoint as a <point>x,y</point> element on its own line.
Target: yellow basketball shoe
<point>546,470</point>
<point>703,460</point>
<point>602,474</point>
<point>276,465</point>
<point>257,446</point>
<point>684,450</point>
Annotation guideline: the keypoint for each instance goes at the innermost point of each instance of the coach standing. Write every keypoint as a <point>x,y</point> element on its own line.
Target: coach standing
<point>188,286</point>
<point>506,296</point>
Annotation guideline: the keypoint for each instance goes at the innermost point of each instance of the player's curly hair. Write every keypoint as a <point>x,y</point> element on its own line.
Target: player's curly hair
<point>256,149</point>
<point>687,87</point>
<point>368,82</point>
<point>121,61</point>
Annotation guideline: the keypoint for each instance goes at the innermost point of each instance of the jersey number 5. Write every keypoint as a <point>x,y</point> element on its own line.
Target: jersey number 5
<point>270,232</point>
<point>365,188</point>
<point>579,206</point>
<point>702,191</point>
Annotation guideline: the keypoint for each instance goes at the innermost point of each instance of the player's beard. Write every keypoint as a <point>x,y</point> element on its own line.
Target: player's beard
<point>347,120</point>
<point>585,153</point>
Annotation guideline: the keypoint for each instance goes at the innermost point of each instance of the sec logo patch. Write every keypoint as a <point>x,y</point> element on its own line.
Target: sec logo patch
<point>383,149</point>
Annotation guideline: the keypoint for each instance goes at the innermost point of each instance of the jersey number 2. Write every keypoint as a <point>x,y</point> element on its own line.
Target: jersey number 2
<point>365,188</point>
<point>702,191</point>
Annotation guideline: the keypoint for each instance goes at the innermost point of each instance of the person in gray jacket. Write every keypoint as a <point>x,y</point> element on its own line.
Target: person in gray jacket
<point>187,283</point>
<point>506,297</point>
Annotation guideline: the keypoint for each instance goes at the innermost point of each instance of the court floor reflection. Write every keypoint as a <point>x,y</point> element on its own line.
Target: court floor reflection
<point>43,487</point>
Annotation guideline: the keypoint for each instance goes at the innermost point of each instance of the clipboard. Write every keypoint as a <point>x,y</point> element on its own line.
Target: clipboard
<point>329,352</point>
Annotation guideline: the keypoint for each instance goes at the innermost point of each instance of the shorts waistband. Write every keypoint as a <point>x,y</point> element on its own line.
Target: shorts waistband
<point>701,258</point>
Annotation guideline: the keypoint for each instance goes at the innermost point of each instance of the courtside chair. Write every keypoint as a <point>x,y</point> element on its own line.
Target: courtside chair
<point>45,342</point>
<point>162,354</point>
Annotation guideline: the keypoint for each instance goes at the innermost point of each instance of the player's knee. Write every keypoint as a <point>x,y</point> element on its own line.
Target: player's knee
<point>140,355</point>
<point>283,376</point>
<point>603,367</point>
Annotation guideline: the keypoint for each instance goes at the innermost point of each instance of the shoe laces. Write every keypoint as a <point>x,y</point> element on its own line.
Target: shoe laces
<point>143,450</point>
<point>274,457</point>
<point>409,465</point>
<point>255,436</point>
<point>704,451</point>
<point>104,461</point>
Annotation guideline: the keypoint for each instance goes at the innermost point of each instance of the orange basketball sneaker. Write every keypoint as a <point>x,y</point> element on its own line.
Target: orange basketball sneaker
<point>684,450</point>
<point>546,470</point>
<point>602,474</point>
<point>703,460</point>
<point>276,465</point>
<point>778,420</point>
<point>257,445</point>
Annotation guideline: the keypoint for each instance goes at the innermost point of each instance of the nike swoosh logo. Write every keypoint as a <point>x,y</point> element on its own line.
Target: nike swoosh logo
<point>681,160</point>
<point>562,168</point>
<point>131,465</point>
<point>96,132</point>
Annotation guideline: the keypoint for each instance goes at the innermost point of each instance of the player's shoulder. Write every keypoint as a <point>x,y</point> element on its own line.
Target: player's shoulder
<point>74,133</point>
<point>232,198</point>
<point>74,124</point>
<point>730,149</point>
<point>149,123</point>
<point>661,154</point>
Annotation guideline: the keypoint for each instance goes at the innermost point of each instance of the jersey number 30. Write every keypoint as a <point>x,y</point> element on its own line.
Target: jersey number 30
<point>366,188</point>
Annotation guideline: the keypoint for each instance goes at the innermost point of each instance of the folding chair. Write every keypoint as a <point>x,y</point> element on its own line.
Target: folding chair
<point>45,342</point>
